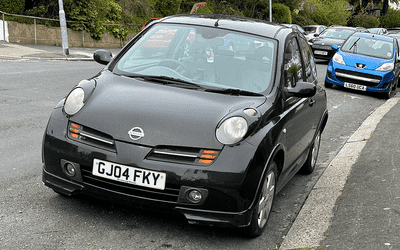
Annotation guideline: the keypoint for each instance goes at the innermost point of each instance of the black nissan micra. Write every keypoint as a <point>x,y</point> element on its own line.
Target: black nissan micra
<point>179,120</point>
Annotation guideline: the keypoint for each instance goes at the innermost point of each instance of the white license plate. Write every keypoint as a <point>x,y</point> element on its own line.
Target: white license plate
<point>319,52</point>
<point>127,174</point>
<point>355,86</point>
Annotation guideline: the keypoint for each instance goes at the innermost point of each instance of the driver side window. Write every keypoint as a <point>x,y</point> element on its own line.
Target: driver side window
<point>293,70</point>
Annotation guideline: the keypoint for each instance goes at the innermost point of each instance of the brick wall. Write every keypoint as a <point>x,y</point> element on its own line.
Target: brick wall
<point>25,34</point>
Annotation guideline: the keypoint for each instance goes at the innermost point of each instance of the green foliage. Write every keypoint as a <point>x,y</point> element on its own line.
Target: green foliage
<point>96,17</point>
<point>208,9</point>
<point>365,20</point>
<point>328,12</point>
<point>280,13</point>
<point>255,8</point>
<point>391,19</point>
<point>302,20</point>
<point>12,6</point>
<point>167,7</point>
<point>292,4</point>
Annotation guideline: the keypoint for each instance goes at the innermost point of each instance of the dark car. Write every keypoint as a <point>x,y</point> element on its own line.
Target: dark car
<point>177,121</point>
<point>334,35</point>
<point>366,62</point>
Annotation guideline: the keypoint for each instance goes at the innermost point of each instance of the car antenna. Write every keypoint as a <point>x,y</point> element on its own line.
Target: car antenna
<point>216,23</point>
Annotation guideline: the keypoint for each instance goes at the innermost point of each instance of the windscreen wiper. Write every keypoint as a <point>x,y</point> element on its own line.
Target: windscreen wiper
<point>166,80</point>
<point>354,44</point>
<point>233,92</point>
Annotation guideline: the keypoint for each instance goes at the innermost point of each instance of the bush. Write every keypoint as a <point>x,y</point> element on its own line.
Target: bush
<point>167,7</point>
<point>280,13</point>
<point>302,20</point>
<point>12,6</point>
<point>391,19</point>
<point>91,15</point>
<point>365,20</point>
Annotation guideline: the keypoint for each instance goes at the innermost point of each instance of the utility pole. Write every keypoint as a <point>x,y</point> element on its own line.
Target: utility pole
<point>270,11</point>
<point>63,26</point>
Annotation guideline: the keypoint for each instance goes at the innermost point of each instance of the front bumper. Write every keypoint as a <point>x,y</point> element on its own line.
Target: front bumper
<point>230,190</point>
<point>324,53</point>
<point>374,81</point>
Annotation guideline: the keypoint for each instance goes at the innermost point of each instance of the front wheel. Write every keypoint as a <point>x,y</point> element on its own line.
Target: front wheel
<point>311,161</point>
<point>328,85</point>
<point>388,94</point>
<point>262,209</point>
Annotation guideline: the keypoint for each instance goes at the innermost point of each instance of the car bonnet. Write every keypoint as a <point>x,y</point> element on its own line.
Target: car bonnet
<point>328,41</point>
<point>371,63</point>
<point>167,115</point>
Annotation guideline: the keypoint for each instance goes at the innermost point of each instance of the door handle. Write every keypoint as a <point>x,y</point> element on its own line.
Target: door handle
<point>312,101</point>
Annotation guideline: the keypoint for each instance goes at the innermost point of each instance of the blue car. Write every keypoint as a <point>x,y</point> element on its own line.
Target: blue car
<point>365,62</point>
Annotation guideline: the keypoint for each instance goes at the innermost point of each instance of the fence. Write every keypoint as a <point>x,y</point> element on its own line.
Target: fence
<point>56,20</point>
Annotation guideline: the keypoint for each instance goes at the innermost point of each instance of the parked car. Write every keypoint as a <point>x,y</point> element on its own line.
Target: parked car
<point>379,31</point>
<point>296,26</point>
<point>312,30</point>
<point>366,62</point>
<point>148,22</point>
<point>334,35</point>
<point>394,30</point>
<point>207,134</point>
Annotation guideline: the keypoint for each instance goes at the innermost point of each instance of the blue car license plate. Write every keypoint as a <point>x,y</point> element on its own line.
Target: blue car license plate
<point>355,86</point>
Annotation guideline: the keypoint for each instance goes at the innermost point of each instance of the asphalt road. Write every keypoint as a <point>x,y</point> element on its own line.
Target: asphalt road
<point>32,216</point>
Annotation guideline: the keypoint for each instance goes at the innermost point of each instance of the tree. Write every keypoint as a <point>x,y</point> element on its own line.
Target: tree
<point>328,12</point>
<point>391,19</point>
<point>93,14</point>
<point>168,7</point>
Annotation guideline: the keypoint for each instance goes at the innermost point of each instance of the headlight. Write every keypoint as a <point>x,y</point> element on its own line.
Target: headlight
<point>338,59</point>
<point>77,98</point>
<point>232,130</point>
<point>386,67</point>
<point>74,101</point>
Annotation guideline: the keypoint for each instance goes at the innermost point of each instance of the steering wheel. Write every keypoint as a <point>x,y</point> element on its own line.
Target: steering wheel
<point>176,66</point>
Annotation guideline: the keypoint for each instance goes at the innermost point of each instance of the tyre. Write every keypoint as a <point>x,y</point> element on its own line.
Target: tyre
<point>388,94</point>
<point>328,85</point>
<point>265,199</point>
<point>311,161</point>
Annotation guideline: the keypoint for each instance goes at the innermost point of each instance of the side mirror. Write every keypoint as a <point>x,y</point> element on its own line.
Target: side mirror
<point>302,89</point>
<point>316,35</point>
<point>102,56</point>
<point>335,47</point>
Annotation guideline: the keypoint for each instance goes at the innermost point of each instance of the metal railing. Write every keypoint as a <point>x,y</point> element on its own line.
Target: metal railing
<point>56,20</point>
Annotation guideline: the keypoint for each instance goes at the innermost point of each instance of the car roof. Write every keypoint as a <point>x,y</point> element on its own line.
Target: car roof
<point>372,35</point>
<point>243,24</point>
<point>314,25</point>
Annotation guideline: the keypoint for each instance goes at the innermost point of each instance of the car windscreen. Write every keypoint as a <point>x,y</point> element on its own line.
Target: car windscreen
<point>369,46</point>
<point>310,29</point>
<point>208,57</point>
<point>337,33</point>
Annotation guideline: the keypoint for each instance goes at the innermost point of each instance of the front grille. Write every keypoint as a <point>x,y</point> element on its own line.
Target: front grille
<point>324,47</point>
<point>183,155</point>
<point>169,194</point>
<point>357,78</point>
<point>90,136</point>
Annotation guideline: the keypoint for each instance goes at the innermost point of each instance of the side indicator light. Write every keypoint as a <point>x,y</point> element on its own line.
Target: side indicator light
<point>205,161</point>
<point>204,156</point>
<point>76,136</point>
<point>210,152</point>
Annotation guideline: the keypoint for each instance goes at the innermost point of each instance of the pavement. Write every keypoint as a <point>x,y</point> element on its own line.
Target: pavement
<point>356,202</point>
<point>15,51</point>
